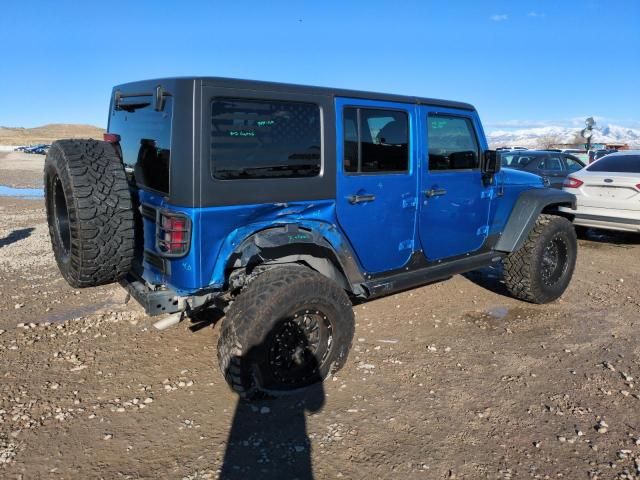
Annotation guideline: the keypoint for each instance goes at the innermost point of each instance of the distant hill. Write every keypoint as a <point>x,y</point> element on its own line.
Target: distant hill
<point>47,133</point>
<point>535,137</point>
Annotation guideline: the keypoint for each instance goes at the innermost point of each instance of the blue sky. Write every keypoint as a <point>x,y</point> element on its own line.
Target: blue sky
<point>521,63</point>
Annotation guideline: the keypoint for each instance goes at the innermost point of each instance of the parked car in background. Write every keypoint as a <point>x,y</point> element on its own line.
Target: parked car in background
<point>597,154</point>
<point>608,193</point>
<point>551,165</point>
<point>40,149</point>
<point>511,148</point>
<point>31,148</point>
<point>582,155</point>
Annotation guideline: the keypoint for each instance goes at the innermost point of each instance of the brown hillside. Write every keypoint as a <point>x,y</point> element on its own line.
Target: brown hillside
<point>47,133</point>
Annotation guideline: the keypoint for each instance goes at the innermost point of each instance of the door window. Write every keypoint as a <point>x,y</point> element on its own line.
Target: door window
<point>573,165</point>
<point>452,143</point>
<point>551,163</point>
<point>375,140</point>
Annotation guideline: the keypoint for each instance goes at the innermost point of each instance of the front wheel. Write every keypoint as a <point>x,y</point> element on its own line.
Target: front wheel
<point>540,271</point>
<point>289,328</point>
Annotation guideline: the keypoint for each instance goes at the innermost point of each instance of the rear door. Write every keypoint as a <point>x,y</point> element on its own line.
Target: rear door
<point>454,200</point>
<point>553,169</point>
<point>376,187</point>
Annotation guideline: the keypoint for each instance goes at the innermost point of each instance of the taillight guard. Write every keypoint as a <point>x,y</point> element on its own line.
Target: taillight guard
<point>173,233</point>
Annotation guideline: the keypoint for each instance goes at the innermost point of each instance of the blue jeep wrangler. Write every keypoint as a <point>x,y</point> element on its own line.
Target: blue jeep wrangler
<point>284,204</point>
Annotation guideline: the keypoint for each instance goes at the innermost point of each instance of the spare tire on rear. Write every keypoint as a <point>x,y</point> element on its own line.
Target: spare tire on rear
<point>89,212</point>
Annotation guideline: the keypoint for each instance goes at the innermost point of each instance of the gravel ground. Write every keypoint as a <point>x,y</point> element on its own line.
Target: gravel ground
<point>19,169</point>
<point>452,380</point>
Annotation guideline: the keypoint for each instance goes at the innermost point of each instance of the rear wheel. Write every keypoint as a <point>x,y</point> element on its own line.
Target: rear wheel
<point>289,328</point>
<point>89,212</point>
<point>540,271</point>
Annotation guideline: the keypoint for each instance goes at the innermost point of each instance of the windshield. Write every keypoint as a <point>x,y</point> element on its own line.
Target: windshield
<point>617,163</point>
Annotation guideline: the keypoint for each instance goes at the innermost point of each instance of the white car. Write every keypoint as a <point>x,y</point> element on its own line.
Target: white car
<point>607,192</point>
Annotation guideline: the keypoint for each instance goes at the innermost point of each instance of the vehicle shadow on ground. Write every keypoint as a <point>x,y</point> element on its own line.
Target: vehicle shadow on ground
<point>268,438</point>
<point>206,318</point>
<point>489,278</point>
<point>608,236</point>
<point>16,236</point>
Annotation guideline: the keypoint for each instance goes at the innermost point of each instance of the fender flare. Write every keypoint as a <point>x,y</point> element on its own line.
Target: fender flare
<point>529,205</point>
<point>321,247</point>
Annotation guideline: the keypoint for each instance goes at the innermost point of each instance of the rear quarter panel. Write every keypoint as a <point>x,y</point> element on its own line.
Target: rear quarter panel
<point>218,231</point>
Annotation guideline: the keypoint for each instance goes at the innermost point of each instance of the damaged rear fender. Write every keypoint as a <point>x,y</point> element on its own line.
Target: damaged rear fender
<point>319,245</point>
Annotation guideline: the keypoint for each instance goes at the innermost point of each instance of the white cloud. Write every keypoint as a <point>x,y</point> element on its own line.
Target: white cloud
<point>499,18</point>
<point>535,14</point>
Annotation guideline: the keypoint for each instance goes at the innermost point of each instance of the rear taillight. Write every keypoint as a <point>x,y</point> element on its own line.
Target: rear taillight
<point>638,186</point>
<point>111,137</point>
<point>173,232</point>
<point>571,182</point>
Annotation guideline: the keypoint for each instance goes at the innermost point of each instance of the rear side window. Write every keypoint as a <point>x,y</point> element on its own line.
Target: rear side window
<point>264,139</point>
<point>573,164</point>
<point>376,140</point>
<point>617,164</point>
<point>552,163</point>
<point>145,139</point>
<point>452,143</point>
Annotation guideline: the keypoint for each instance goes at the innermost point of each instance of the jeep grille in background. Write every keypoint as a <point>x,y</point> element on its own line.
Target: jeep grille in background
<point>264,139</point>
<point>173,233</point>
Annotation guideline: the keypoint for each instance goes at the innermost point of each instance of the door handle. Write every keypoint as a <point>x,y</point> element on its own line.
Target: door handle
<point>435,192</point>
<point>367,197</point>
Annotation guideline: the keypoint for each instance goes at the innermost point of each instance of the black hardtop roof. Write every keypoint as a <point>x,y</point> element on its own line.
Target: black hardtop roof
<point>305,89</point>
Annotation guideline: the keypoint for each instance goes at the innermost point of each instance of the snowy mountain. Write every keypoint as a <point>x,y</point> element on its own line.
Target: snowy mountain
<point>542,136</point>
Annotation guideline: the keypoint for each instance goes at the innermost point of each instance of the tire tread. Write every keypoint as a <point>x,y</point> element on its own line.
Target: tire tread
<point>100,211</point>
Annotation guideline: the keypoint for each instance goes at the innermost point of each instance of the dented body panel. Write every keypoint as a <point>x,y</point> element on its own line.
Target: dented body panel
<point>219,233</point>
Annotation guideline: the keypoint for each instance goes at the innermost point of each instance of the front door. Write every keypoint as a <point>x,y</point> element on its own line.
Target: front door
<point>377,185</point>
<point>454,199</point>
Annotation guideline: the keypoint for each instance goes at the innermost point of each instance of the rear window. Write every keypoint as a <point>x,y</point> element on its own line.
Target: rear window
<point>264,139</point>
<point>517,160</point>
<point>145,139</point>
<point>617,163</point>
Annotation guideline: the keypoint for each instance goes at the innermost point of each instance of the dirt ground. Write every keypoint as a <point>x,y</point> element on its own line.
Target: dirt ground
<point>22,170</point>
<point>452,380</point>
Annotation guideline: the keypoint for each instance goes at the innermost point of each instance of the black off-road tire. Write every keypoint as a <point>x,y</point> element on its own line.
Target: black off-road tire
<point>246,337</point>
<point>89,212</point>
<point>530,273</point>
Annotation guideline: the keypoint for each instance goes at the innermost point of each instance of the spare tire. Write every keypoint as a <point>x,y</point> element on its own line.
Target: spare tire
<point>89,212</point>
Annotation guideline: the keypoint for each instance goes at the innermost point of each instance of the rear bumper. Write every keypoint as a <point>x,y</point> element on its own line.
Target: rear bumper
<point>160,300</point>
<point>154,302</point>
<point>625,221</point>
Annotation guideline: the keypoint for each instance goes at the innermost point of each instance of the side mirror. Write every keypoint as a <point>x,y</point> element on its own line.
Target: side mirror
<point>491,163</point>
